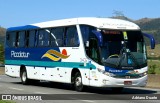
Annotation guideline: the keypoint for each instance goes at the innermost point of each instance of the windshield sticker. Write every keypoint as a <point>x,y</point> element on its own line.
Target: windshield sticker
<point>125,35</point>
<point>55,55</point>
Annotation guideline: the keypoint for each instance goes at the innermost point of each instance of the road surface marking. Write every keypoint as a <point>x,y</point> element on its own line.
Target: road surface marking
<point>87,101</point>
<point>40,93</point>
<point>15,88</point>
<point>83,100</point>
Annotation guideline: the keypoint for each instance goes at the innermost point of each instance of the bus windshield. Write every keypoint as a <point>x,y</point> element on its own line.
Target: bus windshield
<point>123,49</point>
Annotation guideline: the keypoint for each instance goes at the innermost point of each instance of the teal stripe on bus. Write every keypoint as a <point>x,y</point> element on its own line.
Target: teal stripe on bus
<point>50,64</point>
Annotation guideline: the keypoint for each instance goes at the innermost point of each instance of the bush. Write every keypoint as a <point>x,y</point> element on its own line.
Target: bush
<point>152,69</point>
<point>1,54</point>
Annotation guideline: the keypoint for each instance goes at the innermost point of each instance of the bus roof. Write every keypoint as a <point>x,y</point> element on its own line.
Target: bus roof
<point>107,23</point>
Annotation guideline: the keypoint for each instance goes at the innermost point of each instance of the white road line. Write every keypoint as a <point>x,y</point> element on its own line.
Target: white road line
<point>83,100</point>
<point>40,93</point>
<point>87,101</point>
<point>15,88</point>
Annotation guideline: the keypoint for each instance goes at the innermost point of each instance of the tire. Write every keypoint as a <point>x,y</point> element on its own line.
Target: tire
<point>24,78</point>
<point>78,85</point>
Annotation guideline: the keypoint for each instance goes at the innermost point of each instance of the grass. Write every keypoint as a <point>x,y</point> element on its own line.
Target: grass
<point>154,52</point>
<point>6,101</point>
<point>154,64</point>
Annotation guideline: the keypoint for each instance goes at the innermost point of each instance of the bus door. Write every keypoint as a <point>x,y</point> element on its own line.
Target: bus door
<point>93,53</point>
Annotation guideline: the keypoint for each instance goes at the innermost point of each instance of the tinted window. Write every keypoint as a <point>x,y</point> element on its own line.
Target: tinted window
<point>21,39</point>
<point>43,38</point>
<point>47,37</point>
<point>11,39</point>
<point>87,32</point>
<point>32,36</point>
<point>8,39</point>
<point>57,36</point>
<point>71,37</point>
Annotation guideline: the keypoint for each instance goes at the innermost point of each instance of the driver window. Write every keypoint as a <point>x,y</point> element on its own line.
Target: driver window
<point>94,51</point>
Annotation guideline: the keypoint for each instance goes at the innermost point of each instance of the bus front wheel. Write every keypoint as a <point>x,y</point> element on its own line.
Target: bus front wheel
<point>78,82</point>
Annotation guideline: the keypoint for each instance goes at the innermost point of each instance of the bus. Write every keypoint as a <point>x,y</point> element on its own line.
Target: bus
<point>84,51</point>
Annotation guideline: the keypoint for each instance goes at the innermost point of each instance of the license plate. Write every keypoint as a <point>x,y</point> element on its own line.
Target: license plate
<point>127,82</point>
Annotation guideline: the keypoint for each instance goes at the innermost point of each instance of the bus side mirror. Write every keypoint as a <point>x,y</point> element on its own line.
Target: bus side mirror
<point>152,40</point>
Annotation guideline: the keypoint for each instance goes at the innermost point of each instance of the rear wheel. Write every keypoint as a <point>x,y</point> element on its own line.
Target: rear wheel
<point>24,78</point>
<point>78,82</point>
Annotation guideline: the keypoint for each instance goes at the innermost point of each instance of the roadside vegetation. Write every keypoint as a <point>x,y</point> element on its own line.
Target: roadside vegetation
<point>154,66</point>
<point>154,60</point>
<point>6,101</point>
<point>1,54</point>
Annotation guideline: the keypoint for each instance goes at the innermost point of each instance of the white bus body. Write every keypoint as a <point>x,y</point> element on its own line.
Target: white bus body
<point>76,64</point>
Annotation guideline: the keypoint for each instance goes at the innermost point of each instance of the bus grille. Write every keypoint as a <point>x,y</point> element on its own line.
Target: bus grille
<point>127,76</point>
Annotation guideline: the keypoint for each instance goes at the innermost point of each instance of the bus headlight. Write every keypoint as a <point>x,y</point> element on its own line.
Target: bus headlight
<point>143,74</point>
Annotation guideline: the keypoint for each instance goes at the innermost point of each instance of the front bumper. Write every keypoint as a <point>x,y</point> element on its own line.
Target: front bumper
<point>118,82</point>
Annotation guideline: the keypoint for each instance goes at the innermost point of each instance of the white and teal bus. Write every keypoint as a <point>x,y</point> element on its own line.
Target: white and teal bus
<point>98,52</point>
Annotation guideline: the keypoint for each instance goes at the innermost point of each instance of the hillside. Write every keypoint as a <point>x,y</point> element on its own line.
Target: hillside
<point>123,18</point>
<point>2,34</point>
<point>148,25</point>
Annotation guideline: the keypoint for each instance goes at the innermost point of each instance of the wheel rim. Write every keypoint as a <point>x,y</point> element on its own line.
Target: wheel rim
<point>24,76</point>
<point>78,81</point>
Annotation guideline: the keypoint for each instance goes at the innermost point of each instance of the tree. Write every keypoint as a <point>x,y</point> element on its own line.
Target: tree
<point>117,13</point>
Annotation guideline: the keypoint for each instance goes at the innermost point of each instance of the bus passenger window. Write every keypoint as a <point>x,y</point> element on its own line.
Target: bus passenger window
<point>71,38</point>
<point>27,39</point>
<point>40,38</point>
<point>46,37</point>
<point>32,36</point>
<point>57,37</point>
<point>43,38</point>
<point>8,39</point>
<point>21,39</point>
<point>12,41</point>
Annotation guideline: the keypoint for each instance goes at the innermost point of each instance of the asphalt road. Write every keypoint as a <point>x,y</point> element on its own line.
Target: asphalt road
<point>59,93</point>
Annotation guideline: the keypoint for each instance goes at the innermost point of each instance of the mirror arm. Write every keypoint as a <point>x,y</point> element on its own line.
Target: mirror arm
<point>152,40</point>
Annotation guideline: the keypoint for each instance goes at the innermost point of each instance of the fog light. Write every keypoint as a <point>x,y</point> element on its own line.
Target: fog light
<point>145,73</point>
<point>6,70</point>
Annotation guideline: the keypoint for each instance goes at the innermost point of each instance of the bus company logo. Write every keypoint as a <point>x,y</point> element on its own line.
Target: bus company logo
<point>20,54</point>
<point>132,72</point>
<point>55,55</point>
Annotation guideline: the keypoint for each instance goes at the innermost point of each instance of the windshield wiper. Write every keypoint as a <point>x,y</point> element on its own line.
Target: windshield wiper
<point>126,58</point>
